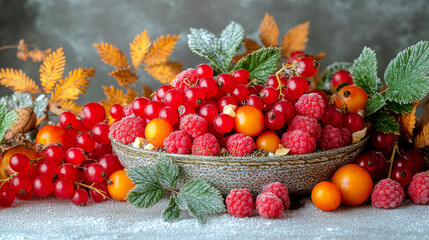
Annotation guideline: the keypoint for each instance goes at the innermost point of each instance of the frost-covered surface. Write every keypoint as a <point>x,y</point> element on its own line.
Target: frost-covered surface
<point>59,219</point>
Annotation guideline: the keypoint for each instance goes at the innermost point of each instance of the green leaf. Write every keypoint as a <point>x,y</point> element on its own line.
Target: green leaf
<point>19,100</point>
<point>168,171</point>
<point>200,198</point>
<point>374,103</point>
<point>8,120</point>
<point>326,79</point>
<point>407,74</point>
<point>384,122</point>
<point>219,51</point>
<point>148,190</point>
<point>399,108</point>
<point>172,212</point>
<point>364,71</point>
<point>261,63</point>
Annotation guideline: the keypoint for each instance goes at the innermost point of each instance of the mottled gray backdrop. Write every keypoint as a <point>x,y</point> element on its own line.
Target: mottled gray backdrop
<point>340,28</point>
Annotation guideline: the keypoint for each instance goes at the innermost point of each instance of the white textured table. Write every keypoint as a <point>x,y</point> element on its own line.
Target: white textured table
<point>51,218</point>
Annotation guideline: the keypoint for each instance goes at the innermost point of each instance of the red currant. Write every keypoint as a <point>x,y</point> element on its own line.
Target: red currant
<point>138,106</point>
<point>333,117</point>
<point>92,113</point>
<point>341,76</point>
<point>54,153</point>
<point>274,119</point>
<point>269,95</point>
<point>297,86</point>
<point>85,142</point>
<point>223,123</point>
<point>67,120</point>
<point>63,188</point>
<point>95,172</point>
<point>43,186</point>
<point>295,57</point>
<point>162,90</point>
<point>194,96</point>
<point>75,156</point>
<point>100,194</point>
<point>252,90</point>
<point>152,109</point>
<point>255,100</point>
<point>204,70</point>
<point>67,171</point>
<point>19,162</point>
<point>173,98</point>
<point>21,184</point>
<point>272,81</point>
<point>225,82</point>
<point>117,111</point>
<point>286,108</point>
<point>383,141</point>
<point>110,164</point>
<point>209,86</point>
<point>240,92</point>
<point>352,121</point>
<point>209,112</point>
<point>7,197</point>
<point>79,197</point>
<point>100,133</point>
<point>185,109</point>
<point>374,163</point>
<point>402,175</point>
<point>225,100</point>
<point>169,114</point>
<point>307,67</point>
<point>241,76</point>
<point>100,150</point>
<point>48,169</point>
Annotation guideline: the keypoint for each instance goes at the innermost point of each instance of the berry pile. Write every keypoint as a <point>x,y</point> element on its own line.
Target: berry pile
<point>76,161</point>
<point>200,114</point>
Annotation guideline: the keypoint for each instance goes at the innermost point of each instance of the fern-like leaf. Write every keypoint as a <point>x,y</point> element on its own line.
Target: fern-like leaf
<point>130,96</point>
<point>139,48</point>
<point>164,72</point>
<point>269,32</point>
<point>18,81</point>
<point>112,55</point>
<point>161,50</point>
<point>73,85</point>
<point>70,106</point>
<point>124,77</point>
<point>52,70</point>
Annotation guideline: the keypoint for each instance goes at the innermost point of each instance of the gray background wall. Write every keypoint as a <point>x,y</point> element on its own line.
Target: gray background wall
<point>340,28</point>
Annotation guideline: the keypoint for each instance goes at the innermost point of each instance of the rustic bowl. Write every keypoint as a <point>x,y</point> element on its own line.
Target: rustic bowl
<point>300,173</point>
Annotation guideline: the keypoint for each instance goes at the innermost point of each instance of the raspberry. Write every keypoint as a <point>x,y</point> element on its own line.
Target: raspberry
<point>128,110</point>
<point>387,194</point>
<point>184,79</point>
<point>331,138</point>
<point>419,189</point>
<point>268,205</point>
<point>310,105</point>
<point>239,145</point>
<point>178,142</point>
<point>239,203</point>
<point>223,141</point>
<point>306,124</point>
<point>346,136</point>
<point>280,190</point>
<point>299,142</point>
<point>193,125</point>
<point>127,129</point>
<point>205,144</point>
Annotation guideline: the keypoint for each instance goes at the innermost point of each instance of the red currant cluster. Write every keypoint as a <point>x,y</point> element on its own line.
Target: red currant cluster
<point>74,171</point>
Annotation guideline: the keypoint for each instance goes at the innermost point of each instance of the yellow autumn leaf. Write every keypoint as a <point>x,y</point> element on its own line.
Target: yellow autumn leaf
<point>139,48</point>
<point>112,55</point>
<point>73,85</point>
<point>18,81</point>
<point>408,121</point>
<point>250,45</point>
<point>52,69</point>
<point>130,96</point>
<point>161,50</point>
<point>165,71</point>
<point>147,91</point>
<point>268,31</point>
<point>295,39</point>
<point>124,77</point>
<point>70,105</point>
<point>422,139</point>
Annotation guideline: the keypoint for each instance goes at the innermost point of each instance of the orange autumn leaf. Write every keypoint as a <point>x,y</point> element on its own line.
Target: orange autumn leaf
<point>130,96</point>
<point>318,57</point>
<point>71,106</point>
<point>18,81</point>
<point>165,71</point>
<point>112,55</point>
<point>269,32</point>
<point>114,95</point>
<point>124,77</point>
<point>74,84</point>
<point>408,121</point>
<point>139,48</point>
<point>161,50</point>
<point>250,45</point>
<point>147,91</point>
<point>295,39</point>
<point>52,69</point>
<point>422,120</point>
<point>422,139</point>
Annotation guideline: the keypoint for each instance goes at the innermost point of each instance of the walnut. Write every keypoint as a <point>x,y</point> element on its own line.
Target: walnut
<point>26,122</point>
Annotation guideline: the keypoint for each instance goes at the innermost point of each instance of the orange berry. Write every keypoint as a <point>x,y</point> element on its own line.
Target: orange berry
<point>249,120</point>
<point>326,196</point>
<point>119,185</point>
<point>157,130</point>
<point>354,97</point>
<point>269,141</point>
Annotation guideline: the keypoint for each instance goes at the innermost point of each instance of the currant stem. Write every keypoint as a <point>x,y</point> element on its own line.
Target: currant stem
<point>3,181</point>
<point>395,148</point>
<point>92,188</point>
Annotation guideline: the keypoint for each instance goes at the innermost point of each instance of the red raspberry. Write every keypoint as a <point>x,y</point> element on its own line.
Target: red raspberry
<point>280,190</point>
<point>205,144</point>
<point>419,189</point>
<point>193,125</point>
<point>346,136</point>
<point>128,110</point>
<point>299,142</point>
<point>127,129</point>
<point>178,142</point>
<point>311,105</point>
<point>306,124</point>
<point>185,79</point>
<point>223,141</point>
<point>268,205</point>
<point>331,138</point>
<point>239,203</point>
<point>387,194</point>
<point>239,144</point>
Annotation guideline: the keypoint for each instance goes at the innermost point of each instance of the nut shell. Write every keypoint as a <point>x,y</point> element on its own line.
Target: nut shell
<point>26,122</point>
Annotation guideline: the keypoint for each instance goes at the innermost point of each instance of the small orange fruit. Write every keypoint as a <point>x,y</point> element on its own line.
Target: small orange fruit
<point>119,185</point>
<point>354,97</point>
<point>249,120</point>
<point>326,196</point>
<point>268,141</point>
<point>50,134</point>
<point>5,159</point>
<point>156,131</point>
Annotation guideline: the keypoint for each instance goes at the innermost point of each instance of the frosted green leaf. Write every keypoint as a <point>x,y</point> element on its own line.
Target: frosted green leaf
<point>364,71</point>
<point>148,190</point>
<point>168,171</point>
<point>383,122</point>
<point>399,108</point>
<point>172,211</point>
<point>6,120</point>
<point>374,103</point>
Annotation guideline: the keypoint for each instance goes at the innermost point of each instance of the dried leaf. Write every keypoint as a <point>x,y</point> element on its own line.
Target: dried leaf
<point>130,96</point>
<point>165,71</point>
<point>124,77</point>
<point>147,91</point>
<point>422,120</point>
<point>161,50</point>
<point>52,70</point>
<point>408,121</point>
<point>73,85</point>
<point>422,139</point>
<point>112,55</point>
<point>295,39</point>
<point>318,57</point>
<point>250,45</point>
<point>269,32</point>
<point>71,106</point>
<point>139,48</point>
<point>359,135</point>
<point>114,95</point>
<point>18,81</point>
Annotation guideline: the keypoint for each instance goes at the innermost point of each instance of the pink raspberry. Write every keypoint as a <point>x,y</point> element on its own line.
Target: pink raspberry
<point>184,79</point>
<point>127,129</point>
<point>331,138</point>
<point>178,142</point>
<point>311,105</point>
<point>387,194</point>
<point>268,205</point>
<point>239,203</point>
<point>419,189</point>
<point>193,125</point>
<point>128,110</point>
<point>346,136</point>
<point>306,124</point>
<point>205,144</point>
<point>280,190</point>
<point>223,141</point>
<point>239,144</point>
<point>299,142</point>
